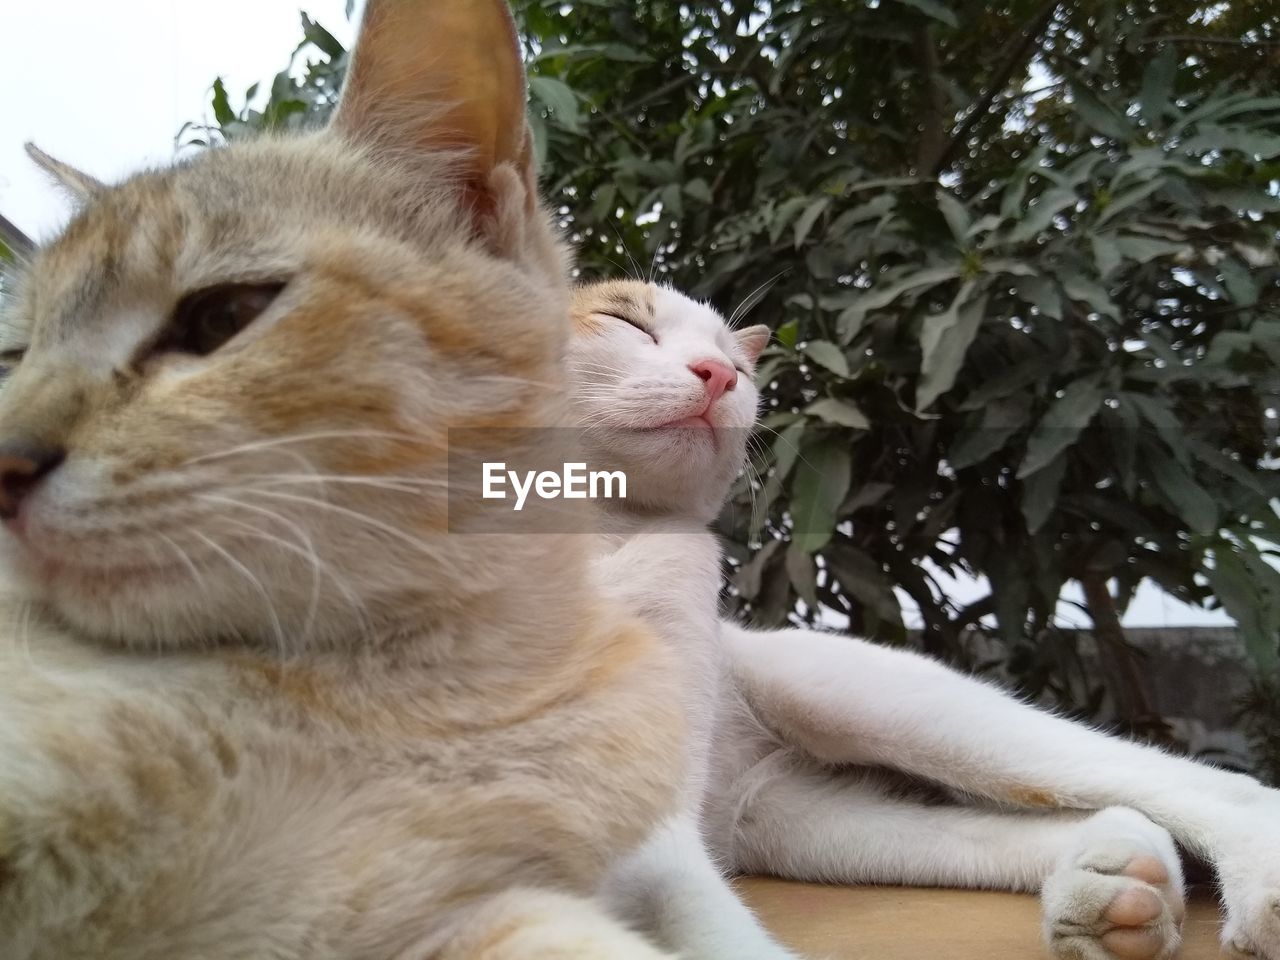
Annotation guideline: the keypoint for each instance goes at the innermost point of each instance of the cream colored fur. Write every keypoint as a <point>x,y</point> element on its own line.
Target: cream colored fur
<point>261,694</point>
<point>808,722</point>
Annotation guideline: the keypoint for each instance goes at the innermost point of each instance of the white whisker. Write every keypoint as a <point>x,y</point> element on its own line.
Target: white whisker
<point>302,438</point>
<point>753,298</point>
<point>255,583</point>
<point>355,515</point>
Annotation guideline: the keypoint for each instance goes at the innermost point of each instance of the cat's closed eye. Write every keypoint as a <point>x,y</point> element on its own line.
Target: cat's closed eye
<point>8,360</point>
<point>632,323</point>
<point>206,319</point>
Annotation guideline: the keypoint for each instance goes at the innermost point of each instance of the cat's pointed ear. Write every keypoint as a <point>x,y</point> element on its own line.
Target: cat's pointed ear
<point>753,340</point>
<point>81,186</point>
<point>431,75</point>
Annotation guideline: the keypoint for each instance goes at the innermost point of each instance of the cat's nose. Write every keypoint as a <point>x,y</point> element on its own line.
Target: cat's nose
<point>22,467</point>
<point>717,376</point>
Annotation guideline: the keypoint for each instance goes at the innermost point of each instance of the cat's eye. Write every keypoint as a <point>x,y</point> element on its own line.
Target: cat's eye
<point>8,360</point>
<point>632,323</point>
<point>206,319</point>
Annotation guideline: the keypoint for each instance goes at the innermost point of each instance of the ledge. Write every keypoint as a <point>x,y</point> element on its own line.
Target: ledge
<point>894,923</point>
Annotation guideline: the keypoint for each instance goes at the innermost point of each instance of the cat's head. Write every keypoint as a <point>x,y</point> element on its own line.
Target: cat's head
<point>663,389</point>
<point>237,375</point>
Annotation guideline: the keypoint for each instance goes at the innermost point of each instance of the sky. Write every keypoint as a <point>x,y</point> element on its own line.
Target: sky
<point>105,86</point>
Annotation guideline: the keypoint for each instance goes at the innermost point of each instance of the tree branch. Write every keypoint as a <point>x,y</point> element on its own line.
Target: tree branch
<point>1017,55</point>
<point>932,133</point>
<point>1125,680</point>
<point>1191,38</point>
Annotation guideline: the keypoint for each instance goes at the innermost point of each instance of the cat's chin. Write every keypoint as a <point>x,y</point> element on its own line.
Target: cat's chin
<point>129,603</point>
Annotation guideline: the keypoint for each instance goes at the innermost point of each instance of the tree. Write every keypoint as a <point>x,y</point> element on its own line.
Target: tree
<point>1020,262</point>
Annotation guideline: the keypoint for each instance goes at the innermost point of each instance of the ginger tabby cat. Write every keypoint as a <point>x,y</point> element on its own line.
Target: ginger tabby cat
<point>256,698</point>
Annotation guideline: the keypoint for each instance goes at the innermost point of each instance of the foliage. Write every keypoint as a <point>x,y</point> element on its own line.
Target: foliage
<point>1020,261</point>
<point>1258,714</point>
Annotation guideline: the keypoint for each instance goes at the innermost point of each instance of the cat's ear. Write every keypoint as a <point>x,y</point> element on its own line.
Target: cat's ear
<point>753,340</point>
<point>81,186</point>
<point>432,75</point>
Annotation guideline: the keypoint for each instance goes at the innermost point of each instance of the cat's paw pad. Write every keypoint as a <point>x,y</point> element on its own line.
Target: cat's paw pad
<point>1116,903</point>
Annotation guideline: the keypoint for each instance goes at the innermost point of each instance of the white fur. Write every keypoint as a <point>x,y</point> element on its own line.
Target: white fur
<point>668,570</point>
<point>806,716</point>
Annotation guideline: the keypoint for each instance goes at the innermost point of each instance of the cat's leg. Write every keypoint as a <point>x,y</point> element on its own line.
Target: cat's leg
<point>527,924</point>
<point>847,701</point>
<point>818,825</point>
<point>1110,881</point>
<point>672,890</point>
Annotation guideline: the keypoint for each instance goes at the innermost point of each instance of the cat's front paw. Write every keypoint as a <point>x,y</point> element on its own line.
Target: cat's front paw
<point>1250,880</point>
<point>1252,928</point>
<point>1119,896</point>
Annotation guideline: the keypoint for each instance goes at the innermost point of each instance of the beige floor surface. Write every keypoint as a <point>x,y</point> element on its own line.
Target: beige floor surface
<point>892,923</point>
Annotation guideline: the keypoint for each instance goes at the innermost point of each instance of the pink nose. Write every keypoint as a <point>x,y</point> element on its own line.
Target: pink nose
<point>717,376</point>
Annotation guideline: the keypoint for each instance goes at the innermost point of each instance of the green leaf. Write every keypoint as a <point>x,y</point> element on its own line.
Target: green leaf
<point>873,209</point>
<point>863,579</point>
<point>672,201</point>
<point>1156,410</point>
<point>1004,265</point>
<point>786,334</point>
<point>840,412</point>
<point>786,448</point>
<point>1011,380</point>
<point>1252,143</point>
<point>1062,424</point>
<point>749,575</point>
<point>881,296</point>
<point>944,343</point>
<point>1016,190</point>
<point>699,190</point>
<point>803,573</point>
<point>1238,593</point>
<point>1239,281</point>
<point>818,488</point>
<point>1040,493</point>
<point>1041,213</point>
<point>1225,465</point>
<point>1100,116</point>
<point>1042,293</point>
<point>1105,254</point>
<point>865,495</point>
<point>995,426</point>
<point>222,111</point>
<point>827,354</point>
<point>321,38</point>
<point>1157,85</point>
<point>1127,199</point>
<point>1190,501</point>
<point>783,215</point>
<point>538,129</point>
<point>933,8</point>
<point>559,98</point>
<point>956,215</point>
<point>806,220</point>
<point>1081,288</point>
<point>1145,249</point>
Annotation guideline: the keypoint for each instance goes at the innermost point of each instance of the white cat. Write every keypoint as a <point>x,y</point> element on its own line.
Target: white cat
<point>807,718</point>
<point>679,416</point>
